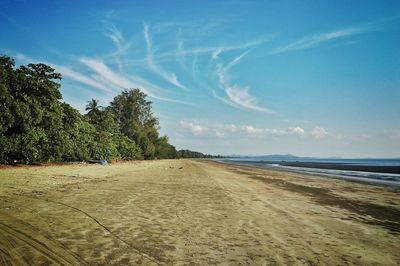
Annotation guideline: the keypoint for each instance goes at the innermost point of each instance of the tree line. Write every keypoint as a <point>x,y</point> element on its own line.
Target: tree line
<point>36,126</point>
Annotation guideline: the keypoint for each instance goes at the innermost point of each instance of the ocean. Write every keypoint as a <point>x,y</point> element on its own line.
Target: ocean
<point>375,171</point>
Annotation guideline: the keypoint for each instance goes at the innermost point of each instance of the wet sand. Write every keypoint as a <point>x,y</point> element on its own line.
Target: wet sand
<point>388,169</point>
<point>181,212</point>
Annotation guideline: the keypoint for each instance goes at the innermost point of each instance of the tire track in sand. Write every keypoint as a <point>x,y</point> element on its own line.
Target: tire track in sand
<point>57,254</point>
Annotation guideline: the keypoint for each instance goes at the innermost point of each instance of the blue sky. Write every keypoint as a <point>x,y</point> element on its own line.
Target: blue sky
<point>311,78</point>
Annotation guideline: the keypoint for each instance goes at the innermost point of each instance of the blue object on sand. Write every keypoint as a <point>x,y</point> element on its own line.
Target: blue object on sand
<point>103,162</point>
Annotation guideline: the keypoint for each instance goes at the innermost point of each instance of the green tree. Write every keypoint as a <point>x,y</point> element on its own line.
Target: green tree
<point>79,135</point>
<point>6,106</point>
<point>135,119</point>
<point>164,150</point>
<point>31,97</point>
<point>127,148</point>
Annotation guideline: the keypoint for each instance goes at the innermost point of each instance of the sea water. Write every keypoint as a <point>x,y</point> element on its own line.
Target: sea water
<point>392,179</point>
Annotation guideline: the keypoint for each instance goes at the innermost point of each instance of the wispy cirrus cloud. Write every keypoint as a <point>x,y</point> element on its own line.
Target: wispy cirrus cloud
<point>112,32</point>
<point>104,71</point>
<point>216,50</point>
<point>170,77</point>
<point>237,96</point>
<point>118,40</point>
<point>179,48</point>
<point>216,53</point>
<point>115,35</point>
<point>243,98</point>
<point>236,60</point>
<point>76,76</point>
<point>226,100</point>
<point>316,39</point>
<point>70,73</point>
<point>109,76</point>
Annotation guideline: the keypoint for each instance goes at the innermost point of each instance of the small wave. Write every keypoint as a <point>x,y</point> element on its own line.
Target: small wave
<point>379,178</point>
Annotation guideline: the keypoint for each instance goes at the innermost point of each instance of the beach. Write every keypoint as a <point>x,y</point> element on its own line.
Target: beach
<point>183,212</point>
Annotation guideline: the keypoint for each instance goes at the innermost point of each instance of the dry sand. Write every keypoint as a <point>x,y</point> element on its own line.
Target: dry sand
<point>182,212</point>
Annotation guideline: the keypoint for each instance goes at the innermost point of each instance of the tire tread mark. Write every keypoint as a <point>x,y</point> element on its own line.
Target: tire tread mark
<point>40,246</point>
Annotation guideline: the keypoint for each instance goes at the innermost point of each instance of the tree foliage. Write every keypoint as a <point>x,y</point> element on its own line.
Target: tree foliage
<point>36,126</point>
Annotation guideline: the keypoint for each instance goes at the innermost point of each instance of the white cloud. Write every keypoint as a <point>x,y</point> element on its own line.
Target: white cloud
<point>243,98</point>
<point>195,128</point>
<point>216,53</point>
<point>218,49</point>
<point>222,130</point>
<point>179,47</point>
<point>104,71</point>
<point>253,131</point>
<point>115,35</point>
<point>236,96</point>
<point>117,38</point>
<point>235,61</point>
<point>226,101</point>
<point>314,40</point>
<point>296,131</point>
<point>170,77</point>
<point>318,132</point>
<point>67,72</point>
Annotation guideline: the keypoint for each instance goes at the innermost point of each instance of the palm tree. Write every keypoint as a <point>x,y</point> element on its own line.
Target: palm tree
<point>92,106</point>
<point>93,109</point>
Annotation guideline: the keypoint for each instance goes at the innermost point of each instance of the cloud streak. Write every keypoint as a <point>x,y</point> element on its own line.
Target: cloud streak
<point>242,97</point>
<point>236,60</point>
<point>104,71</point>
<point>317,39</point>
<point>170,77</point>
<point>121,82</point>
<point>237,96</point>
<point>115,35</point>
<point>216,50</point>
<point>76,76</point>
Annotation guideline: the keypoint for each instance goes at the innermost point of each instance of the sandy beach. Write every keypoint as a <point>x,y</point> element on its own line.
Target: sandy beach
<point>192,212</point>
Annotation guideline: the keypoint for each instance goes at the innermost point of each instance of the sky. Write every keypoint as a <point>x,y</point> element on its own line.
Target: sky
<point>309,78</point>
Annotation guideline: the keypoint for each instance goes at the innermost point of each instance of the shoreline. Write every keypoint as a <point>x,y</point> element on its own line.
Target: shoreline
<point>360,175</point>
<point>384,169</point>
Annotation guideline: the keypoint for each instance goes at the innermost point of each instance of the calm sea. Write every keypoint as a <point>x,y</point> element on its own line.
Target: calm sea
<point>378,171</point>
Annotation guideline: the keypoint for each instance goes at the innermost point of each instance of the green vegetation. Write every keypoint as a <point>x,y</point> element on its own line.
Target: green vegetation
<point>36,126</point>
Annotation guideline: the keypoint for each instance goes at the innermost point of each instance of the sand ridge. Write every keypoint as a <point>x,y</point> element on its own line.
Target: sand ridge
<point>180,212</point>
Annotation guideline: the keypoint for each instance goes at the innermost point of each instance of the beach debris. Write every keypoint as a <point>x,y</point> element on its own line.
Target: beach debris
<point>180,167</point>
<point>103,162</point>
